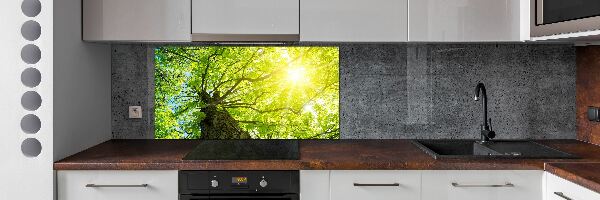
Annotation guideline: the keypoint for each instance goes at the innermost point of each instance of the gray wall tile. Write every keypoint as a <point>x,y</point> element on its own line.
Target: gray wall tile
<point>132,85</point>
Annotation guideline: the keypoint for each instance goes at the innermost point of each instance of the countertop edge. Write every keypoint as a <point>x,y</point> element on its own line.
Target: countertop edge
<point>572,176</point>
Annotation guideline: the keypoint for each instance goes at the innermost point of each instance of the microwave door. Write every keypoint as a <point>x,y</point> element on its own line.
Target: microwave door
<point>556,11</point>
<point>558,17</point>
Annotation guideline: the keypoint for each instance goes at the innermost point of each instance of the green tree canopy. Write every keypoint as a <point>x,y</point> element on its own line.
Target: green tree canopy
<point>222,92</point>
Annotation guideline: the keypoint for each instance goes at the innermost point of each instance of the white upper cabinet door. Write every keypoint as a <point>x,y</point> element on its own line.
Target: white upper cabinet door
<point>375,185</point>
<point>354,20</point>
<point>136,20</point>
<point>468,20</point>
<point>245,20</point>
<point>482,185</point>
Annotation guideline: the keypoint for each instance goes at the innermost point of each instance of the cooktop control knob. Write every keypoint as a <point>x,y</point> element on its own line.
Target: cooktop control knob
<point>263,183</point>
<point>214,183</point>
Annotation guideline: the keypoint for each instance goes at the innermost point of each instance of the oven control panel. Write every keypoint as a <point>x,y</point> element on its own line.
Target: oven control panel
<point>228,182</point>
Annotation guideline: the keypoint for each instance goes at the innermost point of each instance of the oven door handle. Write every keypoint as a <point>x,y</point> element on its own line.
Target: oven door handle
<point>191,197</point>
<point>242,196</point>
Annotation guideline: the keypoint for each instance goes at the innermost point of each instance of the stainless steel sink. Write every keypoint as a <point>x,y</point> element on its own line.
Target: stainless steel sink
<point>440,149</point>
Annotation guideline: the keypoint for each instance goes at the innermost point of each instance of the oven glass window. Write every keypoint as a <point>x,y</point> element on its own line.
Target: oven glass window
<point>251,198</point>
<point>287,197</point>
<point>555,11</point>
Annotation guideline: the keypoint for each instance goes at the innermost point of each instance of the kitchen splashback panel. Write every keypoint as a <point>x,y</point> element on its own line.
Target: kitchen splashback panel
<point>410,90</point>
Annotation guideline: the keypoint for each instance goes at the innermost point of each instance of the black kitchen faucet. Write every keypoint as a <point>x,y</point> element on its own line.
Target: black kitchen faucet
<point>486,128</point>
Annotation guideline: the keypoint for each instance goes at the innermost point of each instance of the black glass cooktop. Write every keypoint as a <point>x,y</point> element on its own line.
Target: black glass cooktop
<point>245,150</point>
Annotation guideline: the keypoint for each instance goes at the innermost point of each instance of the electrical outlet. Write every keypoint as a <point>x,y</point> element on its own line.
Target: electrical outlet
<point>135,112</point>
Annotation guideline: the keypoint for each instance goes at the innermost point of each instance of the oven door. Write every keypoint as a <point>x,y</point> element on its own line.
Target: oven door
<point>241,197</point>
<point>552,17</point>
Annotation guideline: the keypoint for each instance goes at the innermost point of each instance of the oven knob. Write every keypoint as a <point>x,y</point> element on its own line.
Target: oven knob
<point>214,183</point>
<point>263,183</point>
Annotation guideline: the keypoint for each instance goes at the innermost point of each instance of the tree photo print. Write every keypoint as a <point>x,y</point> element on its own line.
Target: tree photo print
<point>231,92</point>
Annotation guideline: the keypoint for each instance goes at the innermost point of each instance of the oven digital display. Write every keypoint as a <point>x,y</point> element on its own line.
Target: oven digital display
<point>239,180</point>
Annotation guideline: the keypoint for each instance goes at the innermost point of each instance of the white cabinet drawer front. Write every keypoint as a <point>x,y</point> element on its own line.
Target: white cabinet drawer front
<point>314,185</point>
<point>482,185</point>
<point>560,189</point>
<point>117,185</point>
<point>375,185</point>
<point>246,16</point>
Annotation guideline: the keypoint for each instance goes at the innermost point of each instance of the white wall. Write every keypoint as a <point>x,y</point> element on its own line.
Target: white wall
<point>24,177</point>
<point>81,84</point>
<point>79,75</point>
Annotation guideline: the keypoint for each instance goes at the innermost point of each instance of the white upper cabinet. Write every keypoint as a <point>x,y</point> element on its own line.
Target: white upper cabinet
<point>245,20</point>
<point>468,20</point>
<point>307,20</point>
<point>136,20</point>
<point>354,20</point>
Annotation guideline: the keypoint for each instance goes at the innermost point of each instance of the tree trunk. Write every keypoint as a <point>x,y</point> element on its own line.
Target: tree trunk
<point>218,124</point>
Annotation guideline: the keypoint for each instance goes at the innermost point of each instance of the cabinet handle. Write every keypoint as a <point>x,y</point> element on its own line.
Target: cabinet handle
<point>503,185</point>
<point>560,194</point>
<point>376,184</point>
<point>115,186</point>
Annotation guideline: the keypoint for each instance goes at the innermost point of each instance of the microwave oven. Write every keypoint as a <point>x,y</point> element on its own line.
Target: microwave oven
<point>554,17</point>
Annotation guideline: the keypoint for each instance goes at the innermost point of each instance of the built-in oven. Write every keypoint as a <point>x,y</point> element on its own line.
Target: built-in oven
<point>552,17</point>
<point>238,185</point>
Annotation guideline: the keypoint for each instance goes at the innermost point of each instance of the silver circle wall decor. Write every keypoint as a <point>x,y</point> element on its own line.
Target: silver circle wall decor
<point>31,147</point>
<point>31,8</point>
<point>31,100</point>
<point>31,77</point>
<point>31,54</point>
<point>31,124</point>
<point>31,30</point>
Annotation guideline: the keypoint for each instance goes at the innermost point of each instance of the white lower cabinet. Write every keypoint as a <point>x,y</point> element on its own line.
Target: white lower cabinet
<point>341,185</point>
<point>560,189</point>
<point>116,185</point>
<point>482,185</point>
<point>375,185</point>
<point>421,185</point>
<point>314,184</point>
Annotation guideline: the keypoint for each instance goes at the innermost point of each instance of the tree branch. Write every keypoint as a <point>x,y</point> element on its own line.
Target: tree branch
<point>238,103</point>
<point>249,122</point>
<point>220,81</point>
<point>240,80</point>
<point>327,132</point>
<point>208,61</point>
<point>265,111</point>
<point>187,56</point>
<point>243,67</point>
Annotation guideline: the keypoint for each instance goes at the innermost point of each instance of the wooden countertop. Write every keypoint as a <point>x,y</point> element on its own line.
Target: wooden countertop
<point>331,155</point>
<point>314,154</point>
<point>584,174</point>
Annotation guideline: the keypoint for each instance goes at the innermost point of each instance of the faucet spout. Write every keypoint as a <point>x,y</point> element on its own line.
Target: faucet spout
<point>481,88</point>
<point>486,132</point>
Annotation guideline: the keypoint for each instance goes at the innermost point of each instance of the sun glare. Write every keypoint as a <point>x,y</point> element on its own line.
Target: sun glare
<point>297,75</point>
